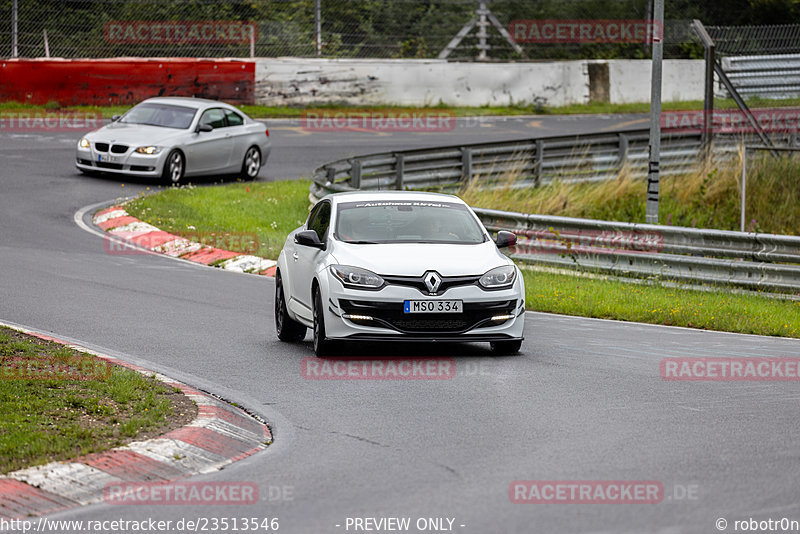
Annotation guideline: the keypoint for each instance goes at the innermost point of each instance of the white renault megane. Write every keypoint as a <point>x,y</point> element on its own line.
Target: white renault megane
<point>399,266</point>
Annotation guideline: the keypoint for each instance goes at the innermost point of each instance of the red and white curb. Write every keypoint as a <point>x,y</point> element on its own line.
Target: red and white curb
<point>118,223</point>
<point>221,434</point>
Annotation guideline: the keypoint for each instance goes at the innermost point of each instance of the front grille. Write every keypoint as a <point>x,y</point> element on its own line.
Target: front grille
<point>101,147</point>
<point>418,282</point>
<point>119,149</point>
<point>390,315</point>
<point>106,165</point>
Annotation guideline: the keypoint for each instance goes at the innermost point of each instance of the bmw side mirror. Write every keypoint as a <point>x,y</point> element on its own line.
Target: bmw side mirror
<point>505,239</point>
<point>308,238</point>
<point>204,128</point>
<point>115,118</point>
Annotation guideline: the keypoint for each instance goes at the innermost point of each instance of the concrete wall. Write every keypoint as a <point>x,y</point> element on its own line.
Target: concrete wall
<point>630,80</point>
<point>285,81</point>
<point>124,80</point>
<point>282,81</point>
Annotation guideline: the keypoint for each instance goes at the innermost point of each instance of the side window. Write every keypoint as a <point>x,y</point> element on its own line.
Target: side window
<point>321,220</point>
<point>234,119</point>
<point>215,117</point>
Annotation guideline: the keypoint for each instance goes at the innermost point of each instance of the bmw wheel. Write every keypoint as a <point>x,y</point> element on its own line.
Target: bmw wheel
<point>287,328</point>
<point>174,167</point>
<point>251,164</point>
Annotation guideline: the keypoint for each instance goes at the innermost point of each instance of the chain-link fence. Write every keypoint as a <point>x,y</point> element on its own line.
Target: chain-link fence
<point>326,28</point>
<point>755,40</point>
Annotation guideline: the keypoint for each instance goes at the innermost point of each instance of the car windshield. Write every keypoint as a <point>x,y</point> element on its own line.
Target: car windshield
<point>407,222</point>
<point>164,115</point>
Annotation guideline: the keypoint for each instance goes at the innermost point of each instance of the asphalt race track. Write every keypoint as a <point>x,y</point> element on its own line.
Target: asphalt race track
<point>584,400</point>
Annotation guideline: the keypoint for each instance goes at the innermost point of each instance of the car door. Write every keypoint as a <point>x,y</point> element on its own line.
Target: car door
<point>210,151</point>
<point>305,260</point>
<point>239,134</point>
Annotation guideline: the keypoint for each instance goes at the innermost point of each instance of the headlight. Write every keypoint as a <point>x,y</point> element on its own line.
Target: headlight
<point>83,143</point>
<point>149,150</point>
<point>499,277</point>
<point>357,278</point>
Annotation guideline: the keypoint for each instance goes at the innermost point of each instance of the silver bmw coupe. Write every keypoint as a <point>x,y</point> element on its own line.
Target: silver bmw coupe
<point>176,138</point>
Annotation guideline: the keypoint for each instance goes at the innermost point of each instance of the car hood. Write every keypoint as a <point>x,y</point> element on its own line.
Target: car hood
<point>135,134</point>
<point>414,259</point>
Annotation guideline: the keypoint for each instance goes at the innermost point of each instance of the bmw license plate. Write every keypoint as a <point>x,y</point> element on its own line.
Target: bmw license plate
<point>107,159</point>
<point>433,306</point>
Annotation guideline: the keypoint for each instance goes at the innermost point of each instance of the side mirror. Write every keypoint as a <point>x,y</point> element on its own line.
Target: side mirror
<point>204,128</point>
<point>505,239</point>
<point>115,118</point>
<point>308,238</point>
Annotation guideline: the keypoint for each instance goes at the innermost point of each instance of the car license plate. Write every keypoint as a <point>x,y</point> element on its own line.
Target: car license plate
<point>107,159</point>
<point>433,306</point>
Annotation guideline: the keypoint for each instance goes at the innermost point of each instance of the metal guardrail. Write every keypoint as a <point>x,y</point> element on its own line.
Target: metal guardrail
<point>529,161</point>
<point>749,260</point>
<point>774,76</point>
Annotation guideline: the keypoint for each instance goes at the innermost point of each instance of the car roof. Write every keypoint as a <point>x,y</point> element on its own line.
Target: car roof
<point>355,196</point>
<point>199,103</point>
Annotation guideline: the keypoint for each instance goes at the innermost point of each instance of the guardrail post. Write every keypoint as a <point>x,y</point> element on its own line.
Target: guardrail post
<point>331,175</point>
<point>466,164</point>
<point>537,166</point>
<point>400,168</point>
<point>355,173</point>
<point>623,150</point>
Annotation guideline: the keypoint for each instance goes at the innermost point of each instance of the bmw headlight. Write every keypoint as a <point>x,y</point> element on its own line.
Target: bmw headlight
<point>84,143</point>
<point>499,277</point>
<point>357,278</point>
<point>149,150</point>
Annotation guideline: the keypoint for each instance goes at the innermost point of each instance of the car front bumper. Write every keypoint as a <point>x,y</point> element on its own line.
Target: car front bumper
<point>130,163</point>
<point>487,315</point>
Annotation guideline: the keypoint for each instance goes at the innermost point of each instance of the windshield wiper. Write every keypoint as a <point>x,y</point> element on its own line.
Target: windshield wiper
<point>362,243</point>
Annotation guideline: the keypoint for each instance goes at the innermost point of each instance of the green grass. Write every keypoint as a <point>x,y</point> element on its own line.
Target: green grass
<point>613,299</point>
<point>708,198</point>
<point>252,208</point>
<point>291,111</point>
<point>270,210</point>
<point>48,413</point>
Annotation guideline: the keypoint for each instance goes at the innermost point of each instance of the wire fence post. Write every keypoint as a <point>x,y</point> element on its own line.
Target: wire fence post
<point>744,187</point>
<point>14,29</point>
<point>318,25</point>
<point>651,216</point>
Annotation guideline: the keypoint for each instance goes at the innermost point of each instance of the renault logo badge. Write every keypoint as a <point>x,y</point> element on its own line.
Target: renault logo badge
<point>432,281</point>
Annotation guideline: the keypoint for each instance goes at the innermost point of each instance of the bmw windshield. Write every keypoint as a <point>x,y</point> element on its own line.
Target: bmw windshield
<point>380,222</point>
<point>164,115</point>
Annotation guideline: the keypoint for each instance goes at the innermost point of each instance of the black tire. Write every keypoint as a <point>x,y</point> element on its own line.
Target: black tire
<point>174,168</point>
<point>251,164</point>
<point>287,328</point>
<point>506,348</point>
<point>322,346</point>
